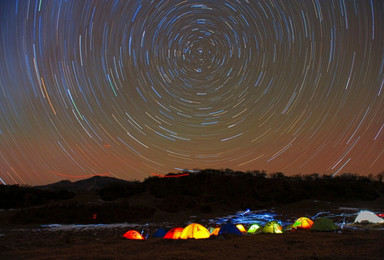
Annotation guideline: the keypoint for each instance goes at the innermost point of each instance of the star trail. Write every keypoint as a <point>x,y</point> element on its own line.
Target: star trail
<point>130,88</point>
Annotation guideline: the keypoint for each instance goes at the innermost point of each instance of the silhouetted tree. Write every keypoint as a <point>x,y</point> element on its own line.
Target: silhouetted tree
<point>311,177</point>
<point>380,177</point>
<point>277,175</point>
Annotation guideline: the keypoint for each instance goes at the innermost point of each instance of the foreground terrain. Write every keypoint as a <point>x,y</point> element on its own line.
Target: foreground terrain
<point>109,244</point>
<point>26,213</point>
<point>106,242</point>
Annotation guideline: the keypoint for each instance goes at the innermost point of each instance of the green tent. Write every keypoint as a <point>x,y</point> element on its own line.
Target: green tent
<point>255,228</point>
<point>323,224</point>
<point>273,227</point>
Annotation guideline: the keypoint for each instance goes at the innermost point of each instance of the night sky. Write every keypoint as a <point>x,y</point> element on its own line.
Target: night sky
<point>130,88</point>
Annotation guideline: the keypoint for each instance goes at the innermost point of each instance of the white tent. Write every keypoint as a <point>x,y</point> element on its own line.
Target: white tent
<point>368,216</point>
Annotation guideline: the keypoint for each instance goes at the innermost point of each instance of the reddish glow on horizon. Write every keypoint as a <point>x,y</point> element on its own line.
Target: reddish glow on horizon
<point>170,176</point>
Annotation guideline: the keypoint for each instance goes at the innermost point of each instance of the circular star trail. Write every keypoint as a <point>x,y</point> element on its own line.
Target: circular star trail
<point>130,88</point>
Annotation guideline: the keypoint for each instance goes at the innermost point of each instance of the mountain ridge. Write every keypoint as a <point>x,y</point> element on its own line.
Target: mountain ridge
<point>93,183</point>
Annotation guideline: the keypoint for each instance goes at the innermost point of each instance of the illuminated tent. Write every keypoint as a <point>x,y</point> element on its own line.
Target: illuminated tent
<point>302,223</point>
<point>273,227</point>
<point>133,234</point>
<point>214,231</point>
<point>324,224</point>
<point>241,228</point>
<point>255,228</point>
<point>229,228</point>
<point>174,233</point>
<point>195,231</point>
<point>368,217</point>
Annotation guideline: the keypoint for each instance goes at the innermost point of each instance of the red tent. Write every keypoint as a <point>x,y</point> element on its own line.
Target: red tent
<point>174,233</point>
<point>133,234</point>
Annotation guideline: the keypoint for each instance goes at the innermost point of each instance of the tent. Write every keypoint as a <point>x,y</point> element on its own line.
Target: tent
<point>273,227</point>
<point>368,217</point>
<point>229,228</point>
<point>133,234</point>
<point>195,231</point>
<point>302,223</point>
<point>160,233</point>
<point>241,228</point>
<point>214,231</point>
<point>323,224</point>
<point>174,233</point>
<point>255,228</point>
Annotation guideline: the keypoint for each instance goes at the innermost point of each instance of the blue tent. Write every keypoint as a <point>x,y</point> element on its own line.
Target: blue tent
<point>160,233</point>
<point>229,228</point>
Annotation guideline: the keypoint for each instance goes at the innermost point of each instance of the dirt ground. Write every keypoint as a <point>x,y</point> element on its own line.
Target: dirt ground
<point>35,242</point>
<point>109,244</point>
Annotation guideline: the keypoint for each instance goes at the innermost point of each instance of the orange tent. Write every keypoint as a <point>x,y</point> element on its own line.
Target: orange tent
<point>302,223</point>
<point>195,231</point>
<point>174,233</point>
<point>133,234</point>
<point>215,231</point>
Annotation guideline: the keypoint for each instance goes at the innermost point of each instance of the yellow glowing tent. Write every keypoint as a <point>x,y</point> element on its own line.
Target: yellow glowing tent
<point>241,228</point>
<point>273,227</point>
<point>195,231</point>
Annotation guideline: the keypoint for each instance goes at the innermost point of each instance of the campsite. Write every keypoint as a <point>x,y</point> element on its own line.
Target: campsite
<point>148,220</point>
<point>191,129</point>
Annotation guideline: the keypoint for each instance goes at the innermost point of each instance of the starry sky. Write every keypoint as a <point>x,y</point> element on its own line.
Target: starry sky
<point>130,88</point>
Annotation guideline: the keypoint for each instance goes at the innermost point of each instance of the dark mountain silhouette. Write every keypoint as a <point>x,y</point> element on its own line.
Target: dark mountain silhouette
<point>93,183</point>
<point>103,199</point>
